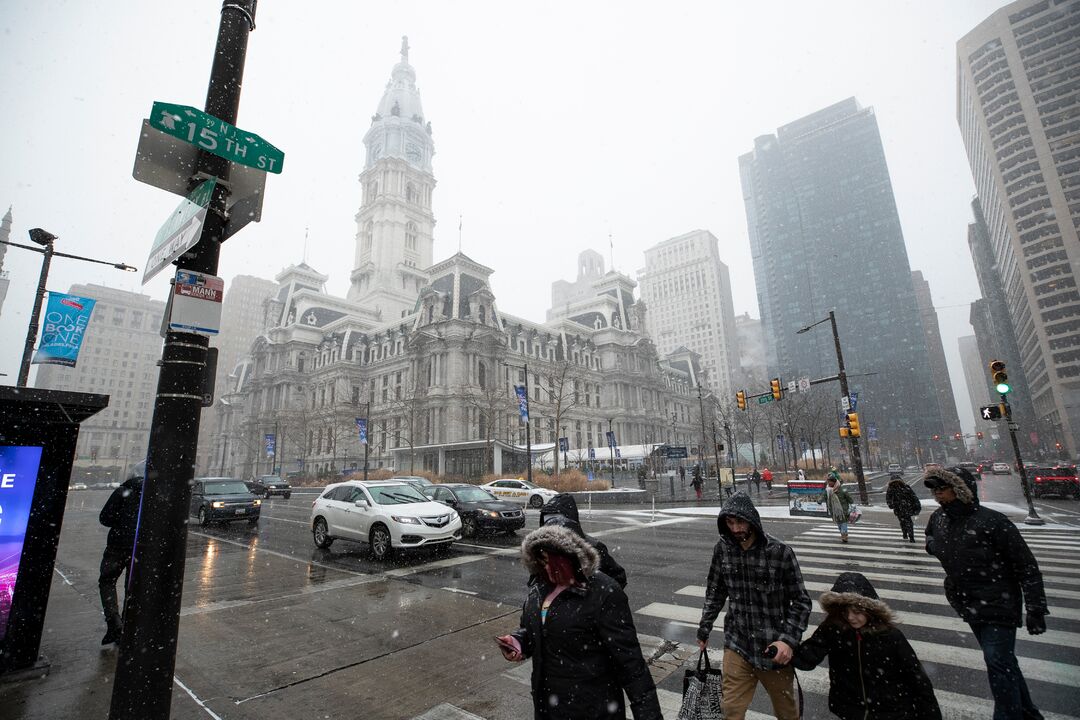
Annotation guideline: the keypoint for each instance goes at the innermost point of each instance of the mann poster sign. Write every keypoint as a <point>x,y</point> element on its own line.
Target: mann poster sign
<point>64,326</point>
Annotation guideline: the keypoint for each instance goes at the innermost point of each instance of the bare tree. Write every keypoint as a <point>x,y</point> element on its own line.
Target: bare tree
<point>564,393</point>
<point>490,403</point>
<point>404,419</point>
<point>752,421</point>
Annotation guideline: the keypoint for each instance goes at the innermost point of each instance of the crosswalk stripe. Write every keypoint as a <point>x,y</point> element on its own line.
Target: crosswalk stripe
<point>915,551</point>
<point>888,529</point>
<point>1063,545</point>
<point>1051,592</point>
<point>1050,573</point>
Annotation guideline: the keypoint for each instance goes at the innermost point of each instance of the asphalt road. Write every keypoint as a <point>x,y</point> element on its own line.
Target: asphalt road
<point>273,627</point>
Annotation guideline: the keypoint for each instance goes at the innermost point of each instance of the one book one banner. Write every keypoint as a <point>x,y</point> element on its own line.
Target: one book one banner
<point>62,329</point>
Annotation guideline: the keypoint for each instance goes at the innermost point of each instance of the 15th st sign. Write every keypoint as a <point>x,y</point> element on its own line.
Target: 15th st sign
<point>216,136</point>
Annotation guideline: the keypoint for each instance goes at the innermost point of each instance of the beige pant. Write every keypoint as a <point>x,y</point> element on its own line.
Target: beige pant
<point>740,682</point>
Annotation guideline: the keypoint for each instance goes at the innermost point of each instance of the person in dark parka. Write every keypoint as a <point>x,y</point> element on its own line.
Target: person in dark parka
<point>905,504</point>
<point>563,510</point>
<point>874,673</point>
<point>990,575</point>
<point>121,515</point>
<point>577,627</point>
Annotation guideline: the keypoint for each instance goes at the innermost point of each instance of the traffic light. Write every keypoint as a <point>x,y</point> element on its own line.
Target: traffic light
<point>774,385</point>
<point>853,424</point>
<point>937,437</point>
<point>844,432</point>
<point>957,436</point>
<point>740,399</point>
<point>979,435</point>
<point>1000,377</point>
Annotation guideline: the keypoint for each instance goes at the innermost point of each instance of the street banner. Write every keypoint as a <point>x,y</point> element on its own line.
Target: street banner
<point>361,429</point>
<point>523,402</point>
<point>854,401</point>
<point>780,441</point>
<point>618,454</point>
<point>610,438</point>
<point>871,432</point>
<point>804,498</point>
<point>564,444</point>
<point>592,453</point>
<point>18,478</point>
<point>66,319</point>
<point>271,444</point>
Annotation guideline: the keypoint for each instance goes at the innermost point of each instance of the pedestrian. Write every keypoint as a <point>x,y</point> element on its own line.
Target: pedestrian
<point>768,608</point>
<point>874,673</point>
<point>755,479</point>
<point>766,475</point>
<point>577,627</point>
<point>563,510</point>
<point>990,576</point>
<point>800,475</point>
<point>696,482</point>
<point>121,515</point>
<point>838,502</point>
<point>682,476</point>
<point>905,504</point>
<point>835,474</point>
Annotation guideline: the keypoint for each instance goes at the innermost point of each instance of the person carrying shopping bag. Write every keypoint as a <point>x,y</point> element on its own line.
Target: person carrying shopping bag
<point>838,502</point>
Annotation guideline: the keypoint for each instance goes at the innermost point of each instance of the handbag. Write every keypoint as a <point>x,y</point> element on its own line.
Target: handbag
<point>854,515</point>
<point>702,692</point>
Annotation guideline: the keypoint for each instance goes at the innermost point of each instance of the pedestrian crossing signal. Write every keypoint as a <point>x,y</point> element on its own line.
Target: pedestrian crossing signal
<point>990,412</point>
<point>740,399</point>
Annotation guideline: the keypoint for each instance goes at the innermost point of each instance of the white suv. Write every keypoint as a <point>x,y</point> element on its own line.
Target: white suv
<point>387,515</point>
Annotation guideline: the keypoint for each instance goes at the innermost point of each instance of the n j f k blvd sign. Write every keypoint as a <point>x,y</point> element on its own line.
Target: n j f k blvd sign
<point>216,136</point>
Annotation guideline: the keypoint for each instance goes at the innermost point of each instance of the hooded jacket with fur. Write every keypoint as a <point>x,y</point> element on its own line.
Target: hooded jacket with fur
<point>990,572</point>
<point>873,672</point>
<point>562,510</point>
<point>763,587</point>
<point>586,653</point>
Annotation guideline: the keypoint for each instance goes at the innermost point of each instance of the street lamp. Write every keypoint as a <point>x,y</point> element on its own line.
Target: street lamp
<point>611,447</point>
<point>528,420</point>
<point>841,375</point>
<point>46,239</point>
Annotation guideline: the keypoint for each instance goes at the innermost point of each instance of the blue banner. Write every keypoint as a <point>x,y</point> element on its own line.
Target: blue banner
<point>62,329</point>
<point>523,402</point>
<point>361,429</point>
<point>592,453</point>
<point>18,477</point>
<point>564,444</point>
<point>271,444</point>
<point>610,438</point>
<point>853,401</point>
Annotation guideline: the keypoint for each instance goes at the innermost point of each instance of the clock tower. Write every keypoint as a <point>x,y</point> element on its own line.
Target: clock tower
<point>395,224</point>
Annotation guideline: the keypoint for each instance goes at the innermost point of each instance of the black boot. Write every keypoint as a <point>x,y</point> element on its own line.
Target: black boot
<point>112,635</point>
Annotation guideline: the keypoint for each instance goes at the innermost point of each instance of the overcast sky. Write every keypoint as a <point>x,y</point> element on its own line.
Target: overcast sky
<point>555,125</point>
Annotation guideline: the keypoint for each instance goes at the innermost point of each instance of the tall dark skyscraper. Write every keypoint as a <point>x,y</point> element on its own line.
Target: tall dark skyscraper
<point>825,234</point>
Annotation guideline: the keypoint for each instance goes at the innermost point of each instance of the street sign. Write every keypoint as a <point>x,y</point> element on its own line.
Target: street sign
<point>196,303</point>
<point>793,386</point>
<point>181,231</point>
<point>844,404</point>
<point>804,384</point>
<point>762,400</point>
<point>676,453</point>
<point>990,412</point>
<point>216,136</point>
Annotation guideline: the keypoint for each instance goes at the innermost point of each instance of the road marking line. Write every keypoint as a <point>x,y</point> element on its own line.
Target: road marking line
<point>341,584</point>
<point>459,590</point>
<point>1055,593</point>
<point>1050,573</point>
<point>63,576</point>
<point>275,553</point>
<point>195,697</point>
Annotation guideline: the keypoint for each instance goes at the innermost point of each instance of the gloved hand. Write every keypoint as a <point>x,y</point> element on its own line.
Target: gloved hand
<point>1036,623</point>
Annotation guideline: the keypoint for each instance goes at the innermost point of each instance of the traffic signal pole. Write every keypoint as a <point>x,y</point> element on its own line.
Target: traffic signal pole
<point>1033,517</point>
<point>142,686</point>
<point>841,374</point>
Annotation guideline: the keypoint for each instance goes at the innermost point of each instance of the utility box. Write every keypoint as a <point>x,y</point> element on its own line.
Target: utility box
<point>38,432</point>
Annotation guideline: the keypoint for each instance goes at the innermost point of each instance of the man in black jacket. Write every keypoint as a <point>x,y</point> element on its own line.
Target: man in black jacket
<point>768,609</point>
<point>562,510</point>
<point>988,568</point>
<point>121,515</point>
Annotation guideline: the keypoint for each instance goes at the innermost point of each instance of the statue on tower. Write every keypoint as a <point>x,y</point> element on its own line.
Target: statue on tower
<point>404,48</point>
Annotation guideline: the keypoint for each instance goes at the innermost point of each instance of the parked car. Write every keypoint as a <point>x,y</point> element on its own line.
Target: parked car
<point>1055,481</point>
<point>270,485</point>
<point>479,510</point>
<point>895,469</point>
<point>972,468</point>
<point>1001,468</point>
<point>519,491</point>
<point>77,486</point>
<point>223,499</point>
<point>420,483</point>
<point>387,515</point>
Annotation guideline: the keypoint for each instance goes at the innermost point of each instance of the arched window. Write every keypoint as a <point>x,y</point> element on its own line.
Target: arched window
<point>410,235</point>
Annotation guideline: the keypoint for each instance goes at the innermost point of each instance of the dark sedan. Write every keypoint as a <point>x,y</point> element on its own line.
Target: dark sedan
<point>270,485</point>
<point>1055,481</point>
<point>480,511</point>
<point>222,499</point>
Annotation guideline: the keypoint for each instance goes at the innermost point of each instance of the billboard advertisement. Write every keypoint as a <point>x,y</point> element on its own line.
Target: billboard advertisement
<point>804,498</point>
<point>18,477</point>
<point>63,328</point>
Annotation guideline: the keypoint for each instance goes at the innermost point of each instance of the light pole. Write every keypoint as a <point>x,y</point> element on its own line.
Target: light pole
<point>611,447</point>
<point>566,450</point>
<point>841,375</point>
<point>46,239</point>
<point>528,421</point>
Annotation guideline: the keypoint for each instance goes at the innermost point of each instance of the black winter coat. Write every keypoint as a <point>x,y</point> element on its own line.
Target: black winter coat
<point>121,514</point>
<point>587,652</point>
<point>565,505</point>
<point>901,499</point>
<point>873,675</point>
<point>989,570</point>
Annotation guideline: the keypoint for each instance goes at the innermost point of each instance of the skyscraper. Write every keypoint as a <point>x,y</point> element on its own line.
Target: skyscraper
<point>825,234</point>
<point>1019,115</point>
<point>687,290</point>
<point>932,333</point>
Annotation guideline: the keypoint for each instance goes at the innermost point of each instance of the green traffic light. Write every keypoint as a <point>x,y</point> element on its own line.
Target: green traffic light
<point>1003,388</point>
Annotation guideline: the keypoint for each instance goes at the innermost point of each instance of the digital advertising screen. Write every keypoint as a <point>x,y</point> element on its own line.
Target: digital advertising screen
<point>18,477</point>
<point>804,498</point>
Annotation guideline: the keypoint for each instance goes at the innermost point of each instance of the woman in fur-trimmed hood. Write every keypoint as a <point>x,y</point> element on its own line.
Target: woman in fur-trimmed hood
<point>874,673</point>
<point>577,627</point>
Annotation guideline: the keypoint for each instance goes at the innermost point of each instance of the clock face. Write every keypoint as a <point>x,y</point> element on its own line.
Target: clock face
<point>412,152</point>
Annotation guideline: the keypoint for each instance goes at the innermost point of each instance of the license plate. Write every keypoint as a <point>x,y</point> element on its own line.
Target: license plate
<point>241,511</point>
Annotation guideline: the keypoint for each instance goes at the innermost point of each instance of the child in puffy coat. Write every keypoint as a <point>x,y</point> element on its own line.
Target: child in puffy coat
<point>874,673</point>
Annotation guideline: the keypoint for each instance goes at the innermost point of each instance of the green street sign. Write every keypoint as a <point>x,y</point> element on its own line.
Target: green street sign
<point>216,136</point>
<point>764,399</point>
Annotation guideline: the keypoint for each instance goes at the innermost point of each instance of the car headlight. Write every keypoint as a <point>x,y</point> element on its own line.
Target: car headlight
<point>258,502</point>
<point>492,513</point>
<point>218,504</point>
<point>405,520</point>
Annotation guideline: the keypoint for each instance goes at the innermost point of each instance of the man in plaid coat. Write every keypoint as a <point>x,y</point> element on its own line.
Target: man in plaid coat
<point>768,609</point>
